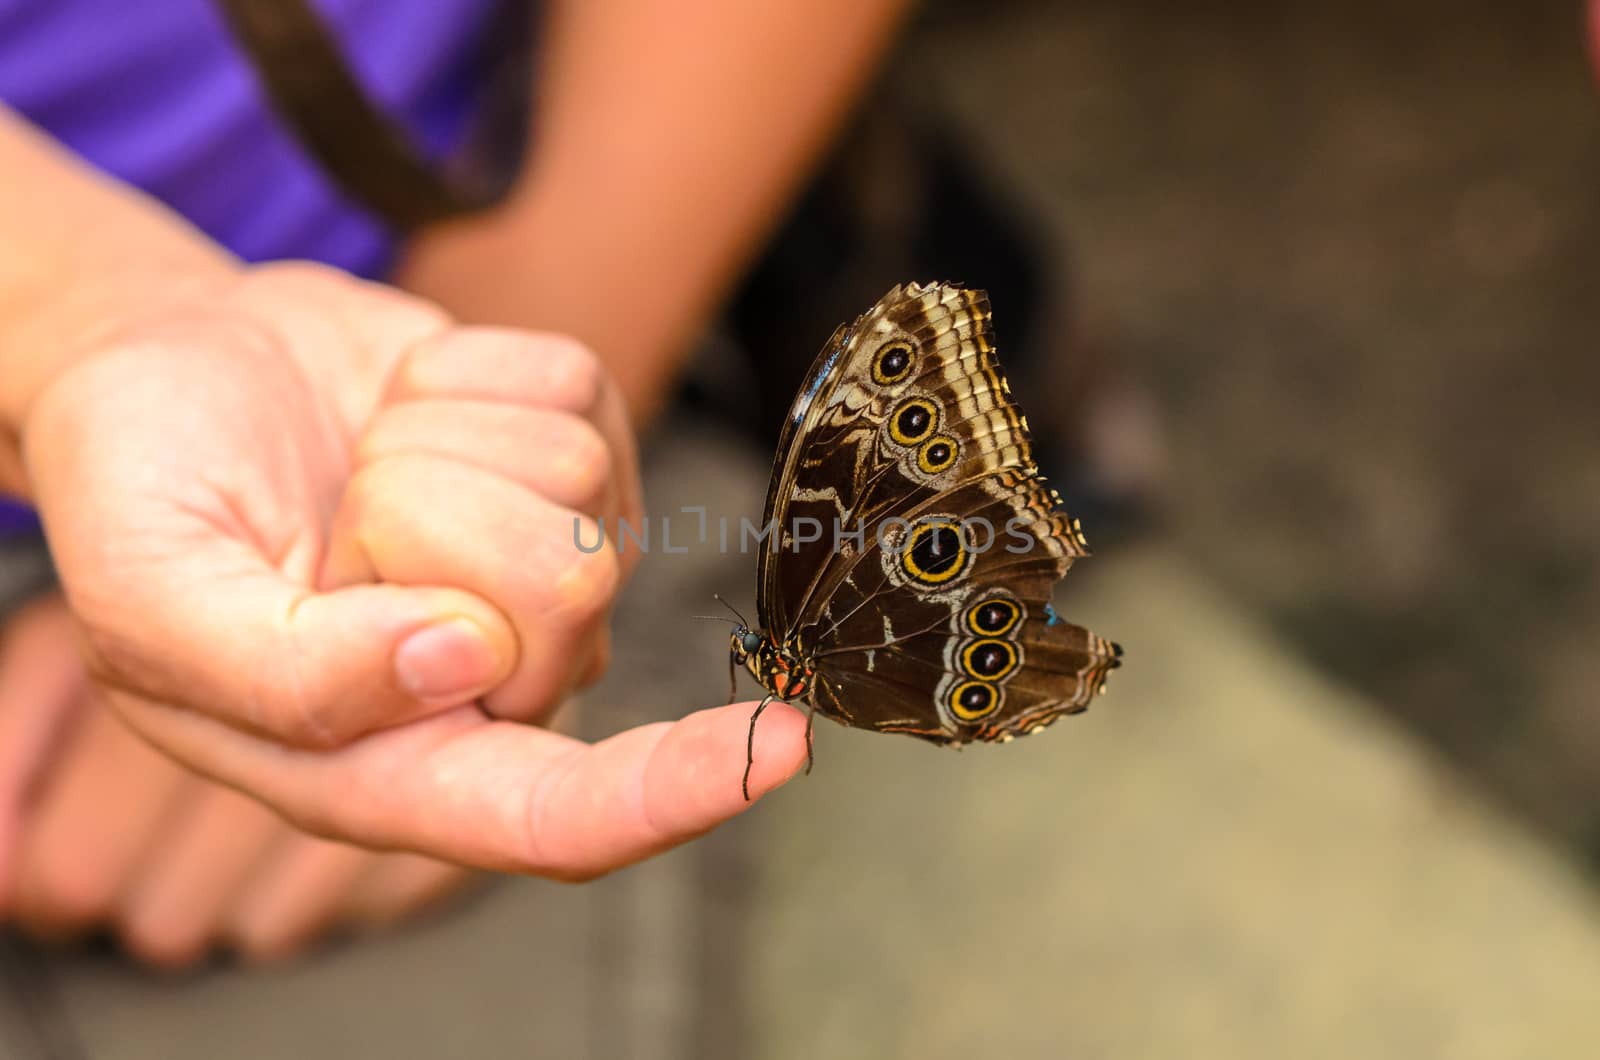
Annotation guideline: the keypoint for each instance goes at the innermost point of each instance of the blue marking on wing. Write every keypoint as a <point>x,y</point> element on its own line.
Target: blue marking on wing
<point>803,402</point>
<point>1050,611</point>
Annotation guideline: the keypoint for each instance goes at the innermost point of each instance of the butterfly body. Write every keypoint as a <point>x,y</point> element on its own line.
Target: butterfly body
<point>912,545</point>
<point>782,669</point>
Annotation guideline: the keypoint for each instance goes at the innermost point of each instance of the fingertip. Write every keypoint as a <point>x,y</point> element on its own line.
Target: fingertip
<point>449,662</point>
<point>466,615</point>
<point>780,747</point>
<point>651,788</point>
<point>696,775</point>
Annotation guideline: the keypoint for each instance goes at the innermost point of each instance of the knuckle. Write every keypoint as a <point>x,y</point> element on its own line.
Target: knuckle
<point>380,439</point>
<point>259,945</point>
<point>599,661</point>
<point>414,376</point>
<point>582,462</point>
<point>576,376</point>
<point>549,850</point>
<point>162,944</point>
<point>59,897</point>
<point>586,586</point>
<point>307,728</point>
<point>405,313</point>
<point>295,717</point>
<point>371,446</point>
<point>367,492</point>
<point>297,274</point>
<point>310,817</point>
<point>288,703</point>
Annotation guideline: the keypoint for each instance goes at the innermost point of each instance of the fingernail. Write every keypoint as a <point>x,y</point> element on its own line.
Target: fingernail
<point>452,660</point>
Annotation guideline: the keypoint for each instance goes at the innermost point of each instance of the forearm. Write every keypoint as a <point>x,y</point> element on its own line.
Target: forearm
<point>80,256</point>
<point>667,140</point>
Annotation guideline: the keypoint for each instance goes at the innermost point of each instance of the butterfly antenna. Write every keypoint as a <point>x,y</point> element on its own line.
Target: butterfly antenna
<point>718,598</point>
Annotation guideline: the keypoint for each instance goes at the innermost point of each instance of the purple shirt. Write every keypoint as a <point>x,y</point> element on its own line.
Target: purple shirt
<point>16,520</point>
<point>156,93</point>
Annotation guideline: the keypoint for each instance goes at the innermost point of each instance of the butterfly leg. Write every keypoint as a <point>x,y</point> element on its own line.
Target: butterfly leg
<point>810,757</point>
<point>750,746</point>
<point>733,680</point>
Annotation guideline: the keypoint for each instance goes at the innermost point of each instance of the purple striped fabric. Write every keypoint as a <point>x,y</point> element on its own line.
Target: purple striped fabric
<point>156,93</point>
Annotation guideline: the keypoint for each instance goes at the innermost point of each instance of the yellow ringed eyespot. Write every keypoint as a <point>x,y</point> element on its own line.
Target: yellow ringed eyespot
<point>990,659</point>
<point>994,617</point>
<point>974,700</point>
<point>913,421</point>
<point>892,364</point>
<point>936,553</point>
<point>937,453</point>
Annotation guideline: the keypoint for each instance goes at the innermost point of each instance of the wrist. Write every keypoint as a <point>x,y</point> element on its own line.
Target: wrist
<point>41,344</point>
<point>81,256</point>
<point>48,333</point>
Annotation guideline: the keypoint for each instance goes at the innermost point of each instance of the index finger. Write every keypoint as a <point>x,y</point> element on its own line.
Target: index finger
<point>499,795</point>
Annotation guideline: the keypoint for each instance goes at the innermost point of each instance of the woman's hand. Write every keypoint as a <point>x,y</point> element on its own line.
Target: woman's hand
<point>320,541</point>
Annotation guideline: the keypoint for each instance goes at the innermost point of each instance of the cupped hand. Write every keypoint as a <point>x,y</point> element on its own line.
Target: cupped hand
<point>322,546</point>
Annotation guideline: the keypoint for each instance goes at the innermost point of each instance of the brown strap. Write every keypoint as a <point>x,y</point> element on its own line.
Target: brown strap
<point>325,107</point>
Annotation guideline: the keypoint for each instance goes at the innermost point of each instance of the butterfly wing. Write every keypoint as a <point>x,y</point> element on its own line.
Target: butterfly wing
<point>823,474</point>
<point>903,455</point>
<point>946,631</point>
<point>828,474</point>
<point>775,581</point>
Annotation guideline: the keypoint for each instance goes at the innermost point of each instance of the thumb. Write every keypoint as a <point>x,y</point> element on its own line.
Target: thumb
<point>220,631</point>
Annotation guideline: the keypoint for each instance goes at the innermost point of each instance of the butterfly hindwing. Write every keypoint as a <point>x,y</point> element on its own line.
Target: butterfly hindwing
<point>951,607</point>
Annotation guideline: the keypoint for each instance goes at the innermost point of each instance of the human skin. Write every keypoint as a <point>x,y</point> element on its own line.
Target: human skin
<point>668,140</point>
<point>103,830</point>
<point>259,484</point>
<point>720,164</point>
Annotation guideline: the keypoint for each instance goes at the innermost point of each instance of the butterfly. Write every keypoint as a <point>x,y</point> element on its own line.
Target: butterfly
<point>911,545</point>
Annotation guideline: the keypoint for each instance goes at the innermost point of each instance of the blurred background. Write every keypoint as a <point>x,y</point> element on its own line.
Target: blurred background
<point>1354,254</point>
<point>1306,299</point>
<point>1317,336</point>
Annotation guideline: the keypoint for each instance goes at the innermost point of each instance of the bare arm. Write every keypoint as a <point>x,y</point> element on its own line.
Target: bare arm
<point>667,139</point>
<point>80,256</point>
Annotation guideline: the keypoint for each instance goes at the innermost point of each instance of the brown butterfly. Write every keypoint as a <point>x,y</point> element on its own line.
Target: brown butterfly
<point>904,585</point>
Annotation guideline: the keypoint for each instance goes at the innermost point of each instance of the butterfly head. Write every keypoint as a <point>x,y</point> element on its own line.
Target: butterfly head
<point>752,651</point>
<point>746,642</point>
